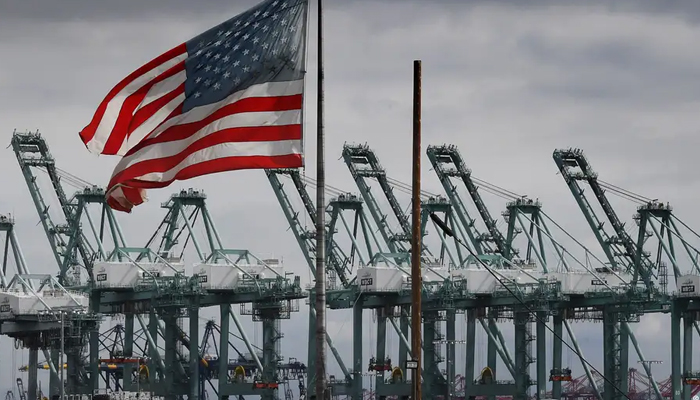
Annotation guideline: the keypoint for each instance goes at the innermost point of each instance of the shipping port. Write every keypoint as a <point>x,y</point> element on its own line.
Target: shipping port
<point>126,320</point>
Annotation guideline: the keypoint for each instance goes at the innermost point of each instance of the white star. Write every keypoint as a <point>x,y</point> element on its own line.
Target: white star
<point>295,47</point>
<point>217,56</point>
<point>207,82</point>
<point>275,52</point>
<point>246,69</point>
<point>217,43</point>
<point>201,43</point>
<point>217,86</point>
<point>275,16</point>
<point>257,13</point>
<point>208,54</point>
<point>256,25</point>
<point>220,33</point>
<point>284,4</point>
<point>265,14</point>
<point>236,47</point>
<point>227,74</point>
<point>237,34</point>
<point>265,28</point>
<point>274,3</point>
<point>196,95</point>
<point>246,23</point>
<point>199,79</point>
<point>256,57</point>
<point>237,81</point>
<point>265,46</point>
<point>256,40</point>
<point>227,33</point>
<point>207,68</point>
<point>237,23</point>
<point>283,22</point>
<point>284,39</point>
<point>225,59</point>
<point>227,44</point>
<point>245,52</point>
<point>217,70</point>
<point>246,36</point>
<point>275,33</point>
<point>292,28</point>
<point>236,63</point>
<point>198,52</point>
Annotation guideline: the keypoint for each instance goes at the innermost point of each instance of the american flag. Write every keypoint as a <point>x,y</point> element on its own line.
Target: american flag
<point>228,99</point>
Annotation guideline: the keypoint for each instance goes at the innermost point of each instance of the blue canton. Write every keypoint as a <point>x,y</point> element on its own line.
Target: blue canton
<point>266,43</point>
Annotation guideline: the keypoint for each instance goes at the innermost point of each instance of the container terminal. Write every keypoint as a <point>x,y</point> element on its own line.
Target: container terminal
<point>483,274</point>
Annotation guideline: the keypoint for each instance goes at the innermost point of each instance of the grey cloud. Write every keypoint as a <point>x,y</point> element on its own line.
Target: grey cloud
<point>506,83</point>
<point>40,10</point>
<point>73,10</point>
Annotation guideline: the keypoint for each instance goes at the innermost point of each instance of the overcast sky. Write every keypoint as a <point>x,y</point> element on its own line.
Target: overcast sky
<point>507,83</point>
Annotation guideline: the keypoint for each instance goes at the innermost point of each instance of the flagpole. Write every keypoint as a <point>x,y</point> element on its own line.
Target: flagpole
<point>416,277</point>
<point>320,224</point>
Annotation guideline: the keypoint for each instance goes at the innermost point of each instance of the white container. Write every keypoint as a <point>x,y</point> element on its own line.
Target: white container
<point>478,281</point>
<point>126,274</point>
<point>217,276</point>
<point>15,303</point>
<point>689,286</point>
<point>579,282</point>
<point>226,276</point>
<point>381,279</point>
<point>8,305</point>
<point>60,300</point>
<point>259,271</point>
<point>586,282</point>
<point>481,281</point>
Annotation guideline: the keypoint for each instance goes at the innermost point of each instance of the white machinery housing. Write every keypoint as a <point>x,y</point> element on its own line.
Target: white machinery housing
<point>15,302</point>
<point>586,282</point>
<point>226,276</point>
<point>112,274</point>
<point>381,279</point>
<point>689,286</point>
<point>392,279</point>
<point>481,281</point>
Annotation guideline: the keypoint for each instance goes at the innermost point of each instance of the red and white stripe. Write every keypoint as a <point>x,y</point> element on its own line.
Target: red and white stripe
<point>145,98</point>
<point>142,119</point>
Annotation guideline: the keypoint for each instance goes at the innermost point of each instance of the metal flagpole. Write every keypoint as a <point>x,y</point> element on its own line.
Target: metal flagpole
<point>63,383</point>
<point>416,277</point>
<point>320,224</point>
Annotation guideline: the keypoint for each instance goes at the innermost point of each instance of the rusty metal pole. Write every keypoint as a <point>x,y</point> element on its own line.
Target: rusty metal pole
<point>320,306</point>
<point>416,277</point>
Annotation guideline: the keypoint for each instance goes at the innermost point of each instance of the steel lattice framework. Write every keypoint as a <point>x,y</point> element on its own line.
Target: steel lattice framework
<point>367,235</point>
<point>164,299</point>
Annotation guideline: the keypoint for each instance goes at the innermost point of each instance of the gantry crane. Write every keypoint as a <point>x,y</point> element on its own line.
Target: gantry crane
<point>522,216</point>
<point>364,166</point>
<point>624,256</point>
<point>339,263</point>
<point>164,295</point>
<point>366,249</point>
<point>449,164</point>
<point>35,324</point>
<point>274,296</point>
